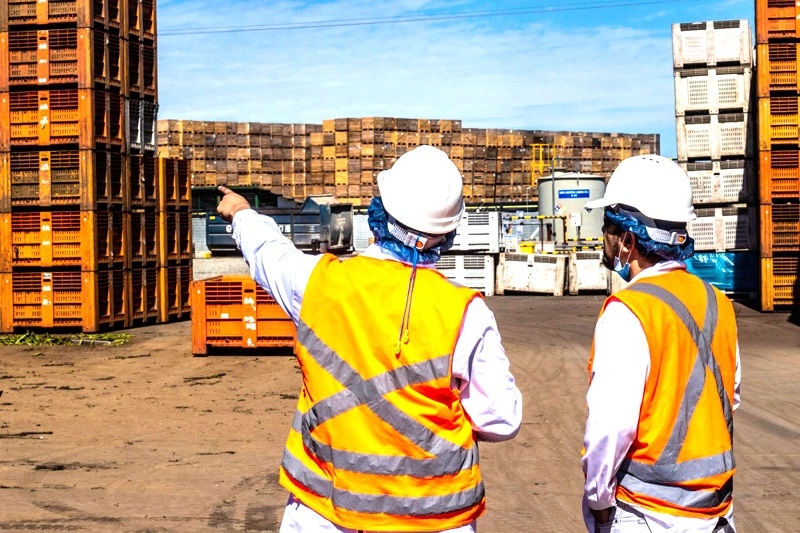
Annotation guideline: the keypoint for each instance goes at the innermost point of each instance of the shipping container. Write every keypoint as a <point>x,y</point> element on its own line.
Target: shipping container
<point>102,14</point>
<point>89,118</point>
<point>712,43</point>
<point>88,239</point>
<point>779,174</point>
<point>82,57</point>
<point>64,178</point>
<point>235,312</point>
<point>71,299</point>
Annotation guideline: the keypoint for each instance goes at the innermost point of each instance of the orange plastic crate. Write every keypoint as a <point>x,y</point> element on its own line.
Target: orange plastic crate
<point>141,61</point>
<point>174,184</point>
<point>69,178</point>
<point>144,235</point>
<point>780,228</point>
<point>234,312</point>
<point>174,298</point>
<point>141,19</point>
<point>777,68</point>
<point>86,117</point>
<point>777,19</point>
<point>141,120</point>
<point>89,301</point>
<point>778,121</point>
<point>143,179</point>
<point>88,239</point>
<point>90,58</point>
<point>80,13</point>
<point>779,174</point>
<point>175,241</point>
<point>143,295</point>
<point>779,282</point>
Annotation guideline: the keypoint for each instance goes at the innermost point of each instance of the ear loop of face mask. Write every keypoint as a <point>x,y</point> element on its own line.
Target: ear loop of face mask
<point>623,270</point>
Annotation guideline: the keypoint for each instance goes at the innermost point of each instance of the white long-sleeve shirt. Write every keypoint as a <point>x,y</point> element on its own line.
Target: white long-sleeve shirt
<point>481,370</point>
<point>620,369</point>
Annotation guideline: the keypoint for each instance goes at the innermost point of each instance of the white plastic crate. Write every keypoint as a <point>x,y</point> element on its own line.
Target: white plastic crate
<point>716,182</point>
<point>711,43</point>
<point>478,232</point>
<point>712,89</point>
<point>473,271</point>
<point>723,228</point>
<point>535,273</point>
<point>587,273</point>
<point>714,136</point>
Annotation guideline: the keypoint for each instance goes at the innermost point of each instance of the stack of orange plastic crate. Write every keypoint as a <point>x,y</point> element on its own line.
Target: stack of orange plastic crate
<point>778,53</point>
<point>79,182</point>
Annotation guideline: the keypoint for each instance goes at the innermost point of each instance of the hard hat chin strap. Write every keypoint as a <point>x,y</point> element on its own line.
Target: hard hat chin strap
<point>413,239</point>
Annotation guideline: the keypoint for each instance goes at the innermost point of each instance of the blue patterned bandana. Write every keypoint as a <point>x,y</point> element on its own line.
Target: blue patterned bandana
<point>378,222</point>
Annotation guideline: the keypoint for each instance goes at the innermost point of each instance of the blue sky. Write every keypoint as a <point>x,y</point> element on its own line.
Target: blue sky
<point>575,65</point>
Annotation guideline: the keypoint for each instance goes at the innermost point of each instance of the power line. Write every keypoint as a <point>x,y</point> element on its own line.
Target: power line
<point>401,19</point>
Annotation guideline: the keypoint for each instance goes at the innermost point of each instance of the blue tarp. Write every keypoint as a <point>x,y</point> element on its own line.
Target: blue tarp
<point>730,272</point>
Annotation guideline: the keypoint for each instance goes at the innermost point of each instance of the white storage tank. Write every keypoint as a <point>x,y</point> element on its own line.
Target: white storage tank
<point>564,196</point>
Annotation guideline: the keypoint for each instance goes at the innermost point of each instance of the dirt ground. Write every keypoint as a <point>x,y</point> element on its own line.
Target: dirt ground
<point>145,437</point>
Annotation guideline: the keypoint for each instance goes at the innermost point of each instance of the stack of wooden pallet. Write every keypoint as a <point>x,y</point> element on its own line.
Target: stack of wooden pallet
<point>343,156</point>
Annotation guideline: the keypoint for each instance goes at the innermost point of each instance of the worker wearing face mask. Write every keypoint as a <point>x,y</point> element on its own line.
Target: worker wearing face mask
<point>403,371</point>
<point>664,368</point>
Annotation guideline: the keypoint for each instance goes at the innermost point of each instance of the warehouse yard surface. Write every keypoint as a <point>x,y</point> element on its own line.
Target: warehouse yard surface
<point>145,437</point>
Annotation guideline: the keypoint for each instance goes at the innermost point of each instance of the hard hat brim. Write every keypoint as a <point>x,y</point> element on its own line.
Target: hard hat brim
<point>599,202</point>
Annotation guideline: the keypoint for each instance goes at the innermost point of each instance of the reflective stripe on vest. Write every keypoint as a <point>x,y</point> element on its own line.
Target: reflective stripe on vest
<point>653,480</point>
<point>448,457</point>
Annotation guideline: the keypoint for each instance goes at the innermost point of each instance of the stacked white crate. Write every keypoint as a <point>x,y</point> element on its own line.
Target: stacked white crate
<point>472,259</point>
<point>713,69</point>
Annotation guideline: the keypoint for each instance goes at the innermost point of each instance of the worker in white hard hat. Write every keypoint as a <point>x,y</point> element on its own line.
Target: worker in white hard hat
<point>403,371</point>
<point>664,369</point>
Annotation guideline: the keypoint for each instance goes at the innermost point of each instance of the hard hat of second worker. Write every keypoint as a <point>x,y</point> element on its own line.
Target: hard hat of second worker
<point>654,185</point>
<point>422,191</point>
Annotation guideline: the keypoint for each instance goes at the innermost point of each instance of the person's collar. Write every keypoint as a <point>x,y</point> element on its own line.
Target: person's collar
<point>661,267</point>
<point>374,251</point>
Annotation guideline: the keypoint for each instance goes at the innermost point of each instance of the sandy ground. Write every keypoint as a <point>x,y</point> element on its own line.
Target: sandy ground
<point>146,438</point>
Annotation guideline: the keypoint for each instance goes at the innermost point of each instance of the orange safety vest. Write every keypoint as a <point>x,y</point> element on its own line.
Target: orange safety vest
<point>380,441</point>
<point>681,460</point>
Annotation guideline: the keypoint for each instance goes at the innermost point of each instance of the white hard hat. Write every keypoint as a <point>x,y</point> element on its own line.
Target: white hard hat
<point>422,191</point>
<point>654,185</point>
